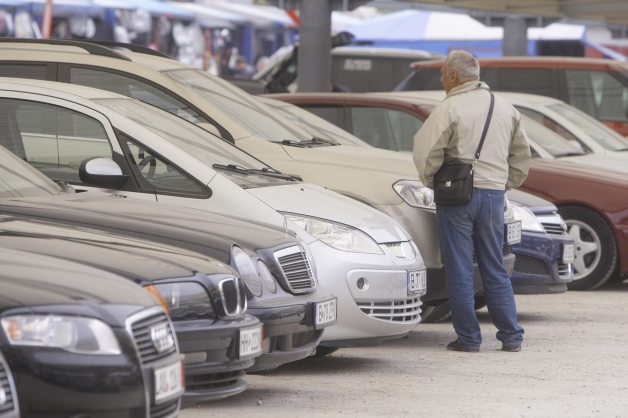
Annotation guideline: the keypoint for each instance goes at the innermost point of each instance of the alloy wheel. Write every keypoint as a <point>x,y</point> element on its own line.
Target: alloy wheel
<point>588,247</point>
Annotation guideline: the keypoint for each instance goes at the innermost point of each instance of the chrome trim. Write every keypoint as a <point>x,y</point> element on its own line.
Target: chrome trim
<point>296,249</point>
<point>224,299</point>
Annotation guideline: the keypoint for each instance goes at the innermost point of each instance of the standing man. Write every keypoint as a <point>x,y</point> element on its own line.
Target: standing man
<point>453,131</point>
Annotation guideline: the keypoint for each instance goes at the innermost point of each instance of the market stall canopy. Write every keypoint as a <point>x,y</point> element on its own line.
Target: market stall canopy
<point>211,17</point>
<point>13,3</point>
<point>62,8</point>
<point>152,6</point>
<point>255,14</point>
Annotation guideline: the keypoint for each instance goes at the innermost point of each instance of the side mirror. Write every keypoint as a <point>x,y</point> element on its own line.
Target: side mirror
<point>102,172</point>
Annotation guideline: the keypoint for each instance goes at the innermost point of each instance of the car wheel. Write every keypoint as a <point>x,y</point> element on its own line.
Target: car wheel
<point>432,314</point>
<point>480,302</point>
<point>596,250</point>
<point>322,351</point>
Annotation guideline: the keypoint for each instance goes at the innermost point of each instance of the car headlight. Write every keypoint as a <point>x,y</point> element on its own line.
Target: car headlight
<point>185,300</point>
<point>341,237</point>
<point>247,270</point>
<point>415,194</point>
<point>267,277</point>
<point>74,334</point>
<point>527,218</point>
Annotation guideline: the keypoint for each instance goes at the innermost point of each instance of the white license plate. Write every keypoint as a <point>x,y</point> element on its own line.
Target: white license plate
<point>569,253</point>
<point>513,232</point>
<point>250,341</point>
<point>168,381</point>
<point>417,282</point>
<point>325,313</point>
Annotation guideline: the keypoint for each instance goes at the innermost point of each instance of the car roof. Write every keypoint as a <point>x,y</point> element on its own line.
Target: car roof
<point>366,98</point>
<point>381,52</point>
<point>71,92</point>
<point>411,96</point>
<point>533,62</point>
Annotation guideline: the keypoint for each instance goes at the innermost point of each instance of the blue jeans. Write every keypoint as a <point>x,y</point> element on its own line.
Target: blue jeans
<point>480,226</point>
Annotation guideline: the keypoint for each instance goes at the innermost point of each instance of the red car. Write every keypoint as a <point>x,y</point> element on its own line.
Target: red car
<point>594,201</point>
<point>595,86</point>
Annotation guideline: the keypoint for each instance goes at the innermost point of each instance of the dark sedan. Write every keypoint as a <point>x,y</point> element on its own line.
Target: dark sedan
<point>72,336</point>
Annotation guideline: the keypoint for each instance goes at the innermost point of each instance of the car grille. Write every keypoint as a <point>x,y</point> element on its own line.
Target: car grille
<point>10,405</point>
<point>553,229</point>
<point>564,269</point>
<point>141,334</point>
<point>200,382</point>
<point>530,265</point>
<point>407,310</point>
<point>168,409</point>
<point>506,250</point>
<point>296,269</point>
<point>300,339</point>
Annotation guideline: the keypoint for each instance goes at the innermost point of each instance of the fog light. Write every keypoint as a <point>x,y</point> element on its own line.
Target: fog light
<point>362,283</point>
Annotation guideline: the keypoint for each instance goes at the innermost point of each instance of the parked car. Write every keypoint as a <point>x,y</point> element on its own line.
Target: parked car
<point>10,407</point>
<point>288,316</point>
<point>595,86</point>
<point>359,241</point>
<point>353,68</point>
<point>543,261</point>
<point>80,341</point>
<point>595,214</point>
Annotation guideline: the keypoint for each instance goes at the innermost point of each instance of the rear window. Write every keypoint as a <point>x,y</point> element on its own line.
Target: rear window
<point>520,80</point>
<point>421,79</point>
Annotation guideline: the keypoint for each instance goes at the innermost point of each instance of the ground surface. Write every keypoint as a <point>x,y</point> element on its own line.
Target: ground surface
<point>574,363</point>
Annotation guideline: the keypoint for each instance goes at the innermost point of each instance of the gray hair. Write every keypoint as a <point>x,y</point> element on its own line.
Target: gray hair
<point>464,64</point>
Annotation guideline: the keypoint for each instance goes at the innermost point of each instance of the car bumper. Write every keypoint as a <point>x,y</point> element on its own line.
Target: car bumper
<point>54,382</point>
<point>213,369</point>
<point>360,311</point>
<point>289,330</point>
<point>539,268</point>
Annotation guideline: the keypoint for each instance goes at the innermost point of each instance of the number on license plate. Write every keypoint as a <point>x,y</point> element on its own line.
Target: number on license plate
<point>513,232</point>
<point>324,313</point>
<point>168,381</point>
<point>569,253</point>
<point>250,341</point>
<point>417,282</point>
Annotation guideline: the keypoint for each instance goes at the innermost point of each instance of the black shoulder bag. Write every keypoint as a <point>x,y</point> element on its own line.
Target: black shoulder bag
<point>453,182</point>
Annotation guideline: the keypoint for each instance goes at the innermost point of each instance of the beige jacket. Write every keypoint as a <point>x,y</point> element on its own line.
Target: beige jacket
<point>454,129</point>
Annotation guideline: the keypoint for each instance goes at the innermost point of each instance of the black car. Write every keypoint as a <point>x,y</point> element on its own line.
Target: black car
<point>205,298</point>
<point>72,336</point>
<point>289,330</point>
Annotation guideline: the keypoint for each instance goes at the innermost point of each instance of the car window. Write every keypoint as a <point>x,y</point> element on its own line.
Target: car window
<point>18,179</point>
<point>318,127</point>
<point>598,93</point>
<point>601,133</point>
<point>250,113</point>
<point>329,113</point>
<point>155,173</point>
<point>548,139</point>
<point>554,126</point>
<point>524,80</point>
<point>53,139</point>
<point>35,72</point>
<point>385,128</point>
<point>130,87</point>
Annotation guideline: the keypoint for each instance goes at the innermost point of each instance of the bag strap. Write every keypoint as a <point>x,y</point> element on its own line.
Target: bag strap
<point>488,122</point>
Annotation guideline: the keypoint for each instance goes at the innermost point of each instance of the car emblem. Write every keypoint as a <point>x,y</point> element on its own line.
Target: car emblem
<point>162,337</point>
<point>448,183</point>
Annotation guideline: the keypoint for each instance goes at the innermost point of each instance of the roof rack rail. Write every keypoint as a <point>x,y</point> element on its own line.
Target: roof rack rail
<point>93,49</point>
<point>141,49</point>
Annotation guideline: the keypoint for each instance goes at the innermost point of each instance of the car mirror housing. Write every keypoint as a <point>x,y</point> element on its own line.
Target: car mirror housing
<point>102,172</point>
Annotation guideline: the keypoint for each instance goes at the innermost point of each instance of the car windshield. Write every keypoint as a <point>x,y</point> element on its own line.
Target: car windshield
<point>548,139</point>
<point>601,133</point>
<point>250,113</point>
<point>316,126</point>
<point>18,179</point>
<point>206,147</point>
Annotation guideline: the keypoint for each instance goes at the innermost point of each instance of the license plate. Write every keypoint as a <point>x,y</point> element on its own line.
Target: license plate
<point>417,282</point>
<point>168,381</point>
<point>513,232</point>
<point>569,253</point>
<point>325,313</point>
<point>250,341</point>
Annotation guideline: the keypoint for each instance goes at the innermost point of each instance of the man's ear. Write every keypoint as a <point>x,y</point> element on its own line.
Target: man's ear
<point>453,75</point>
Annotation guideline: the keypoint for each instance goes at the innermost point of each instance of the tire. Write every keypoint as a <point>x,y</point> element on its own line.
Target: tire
<point>433,314</point>
<point>480,302</point>
<point>596,249</point>
<point>322,351</point>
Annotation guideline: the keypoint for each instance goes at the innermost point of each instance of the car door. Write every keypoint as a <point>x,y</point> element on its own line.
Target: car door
<point>55,136</point>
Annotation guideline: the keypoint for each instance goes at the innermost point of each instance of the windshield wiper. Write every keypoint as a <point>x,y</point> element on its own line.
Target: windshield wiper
<point>267,171</point>
<point>323,140</point>
<point>292,143</point>
<point>569,154</point>
<point>232,167</point>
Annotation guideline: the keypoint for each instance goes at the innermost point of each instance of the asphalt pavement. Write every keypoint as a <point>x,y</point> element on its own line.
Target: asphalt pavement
<point>574,363</point>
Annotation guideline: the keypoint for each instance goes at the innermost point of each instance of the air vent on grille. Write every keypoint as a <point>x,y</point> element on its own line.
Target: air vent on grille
<point>141,330</point>
<point>169,409</point>
<point>564,269</point>
<point>296,269</point>
<point>9,404</point>
<point>299,339</point>
<point>199,382</point>
<point>530,265</point>
<point>553,229</point>
<point>394,311</point>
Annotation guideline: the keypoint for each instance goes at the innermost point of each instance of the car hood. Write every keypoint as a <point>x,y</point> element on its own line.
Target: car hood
<point>318,202</point>
<point>606,161</point>
<point>573,170</point>
<point>31,280</point>
<point>365,158</point>
<point>132,258</point>
<point>534,203</point>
